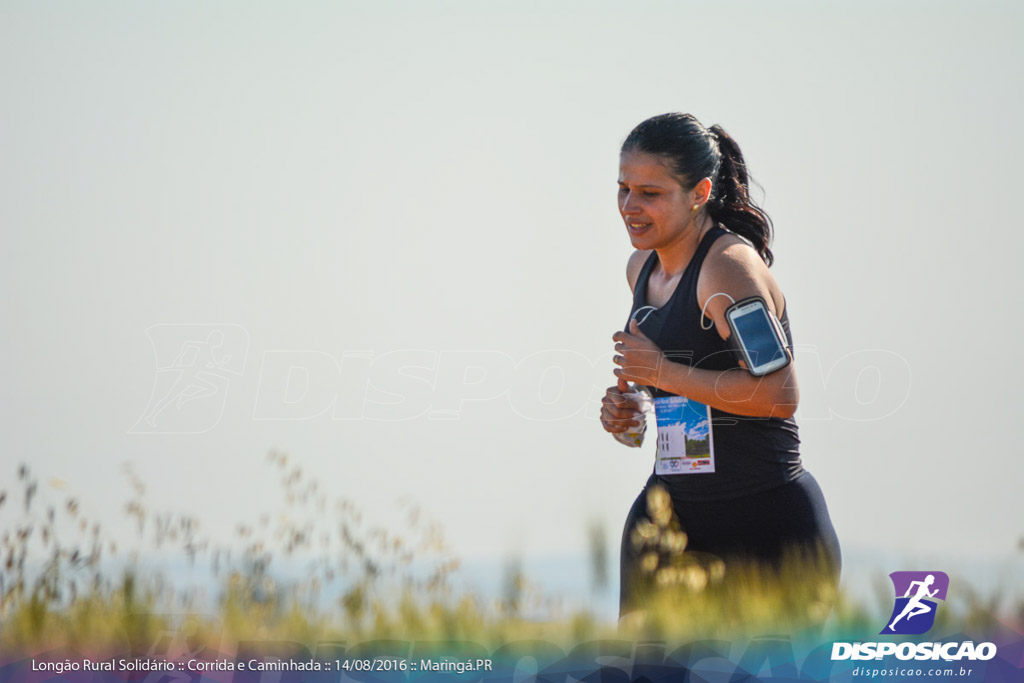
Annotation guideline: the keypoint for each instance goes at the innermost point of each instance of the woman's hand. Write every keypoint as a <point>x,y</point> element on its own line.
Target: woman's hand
<point>640,359</point>
<point>618,413</point>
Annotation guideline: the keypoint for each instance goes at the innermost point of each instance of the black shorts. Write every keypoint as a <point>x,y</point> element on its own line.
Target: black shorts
<point>760,528</point>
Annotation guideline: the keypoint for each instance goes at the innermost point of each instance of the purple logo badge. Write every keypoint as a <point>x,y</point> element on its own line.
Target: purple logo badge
<point>916,592</point>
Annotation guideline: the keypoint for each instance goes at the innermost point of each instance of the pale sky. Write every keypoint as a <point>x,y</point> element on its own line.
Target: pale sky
<point>413,191</point>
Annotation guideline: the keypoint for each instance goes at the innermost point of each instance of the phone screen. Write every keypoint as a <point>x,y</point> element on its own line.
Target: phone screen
<point>757,336</point>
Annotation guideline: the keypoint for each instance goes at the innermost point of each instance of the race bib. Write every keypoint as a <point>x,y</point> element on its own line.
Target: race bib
<point>685,445</point>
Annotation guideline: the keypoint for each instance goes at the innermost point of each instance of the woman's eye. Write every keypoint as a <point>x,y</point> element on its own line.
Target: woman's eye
<point>650,194</point>
<point>623,190</point>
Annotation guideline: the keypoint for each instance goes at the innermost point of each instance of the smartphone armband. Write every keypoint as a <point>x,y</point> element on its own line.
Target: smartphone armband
<point>756,336</point>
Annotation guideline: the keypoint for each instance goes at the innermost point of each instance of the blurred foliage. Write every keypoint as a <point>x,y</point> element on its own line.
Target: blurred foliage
<point>57,587</point>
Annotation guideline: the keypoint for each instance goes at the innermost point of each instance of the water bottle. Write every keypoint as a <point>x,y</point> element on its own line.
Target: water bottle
<point>634,436</point>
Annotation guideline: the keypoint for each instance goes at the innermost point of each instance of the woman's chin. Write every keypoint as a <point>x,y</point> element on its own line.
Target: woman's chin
<point>641,242</point>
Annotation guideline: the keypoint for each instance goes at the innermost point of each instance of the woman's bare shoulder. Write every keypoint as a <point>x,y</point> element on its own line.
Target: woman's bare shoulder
<point>735,267</point>
<point>635,264</point>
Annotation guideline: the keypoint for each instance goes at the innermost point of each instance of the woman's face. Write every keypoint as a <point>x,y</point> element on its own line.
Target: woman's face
<point>654,206</point>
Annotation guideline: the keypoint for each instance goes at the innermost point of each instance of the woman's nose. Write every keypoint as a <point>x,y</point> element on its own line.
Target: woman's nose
<point>628,204</point>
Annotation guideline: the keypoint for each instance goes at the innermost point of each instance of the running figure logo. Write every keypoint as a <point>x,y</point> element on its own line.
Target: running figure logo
<point>914,611</point>
<point>194,364</point>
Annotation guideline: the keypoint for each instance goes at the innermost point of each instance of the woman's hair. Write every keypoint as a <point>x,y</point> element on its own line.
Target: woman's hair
<point>695,152</point>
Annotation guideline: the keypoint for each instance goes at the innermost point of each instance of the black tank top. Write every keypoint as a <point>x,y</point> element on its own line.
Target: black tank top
<point>750,454</point>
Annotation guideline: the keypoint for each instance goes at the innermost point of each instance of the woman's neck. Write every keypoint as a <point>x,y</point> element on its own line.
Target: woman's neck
<point>675,256</point>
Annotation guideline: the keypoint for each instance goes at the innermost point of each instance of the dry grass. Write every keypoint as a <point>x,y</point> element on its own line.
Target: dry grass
<point>361,583</point>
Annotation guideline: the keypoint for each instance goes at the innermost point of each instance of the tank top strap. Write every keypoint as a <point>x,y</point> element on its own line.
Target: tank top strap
<point>645,271</point>
<point>640,286</point>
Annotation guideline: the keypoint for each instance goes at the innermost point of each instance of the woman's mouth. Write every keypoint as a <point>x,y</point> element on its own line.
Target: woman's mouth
<point>636,228</point>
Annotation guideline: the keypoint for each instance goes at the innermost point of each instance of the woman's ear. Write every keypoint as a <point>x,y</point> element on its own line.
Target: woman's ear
<point>702,191</point>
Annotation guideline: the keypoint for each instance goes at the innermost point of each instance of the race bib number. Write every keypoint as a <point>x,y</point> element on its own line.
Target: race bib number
<point>685,445</point>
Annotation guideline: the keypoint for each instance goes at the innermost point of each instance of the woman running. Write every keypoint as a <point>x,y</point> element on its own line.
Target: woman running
<point>728,446</point>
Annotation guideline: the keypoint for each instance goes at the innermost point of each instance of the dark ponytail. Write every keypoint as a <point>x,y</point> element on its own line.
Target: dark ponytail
<point>695,152</point>
<point>730,202</point>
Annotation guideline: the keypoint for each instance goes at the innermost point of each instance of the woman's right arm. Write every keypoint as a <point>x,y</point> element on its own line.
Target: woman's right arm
<point>617,412</point>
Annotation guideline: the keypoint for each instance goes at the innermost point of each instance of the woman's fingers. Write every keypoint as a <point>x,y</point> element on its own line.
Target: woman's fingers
<point>613,424</point>
<point>618,413</point>
<point>619,404</point>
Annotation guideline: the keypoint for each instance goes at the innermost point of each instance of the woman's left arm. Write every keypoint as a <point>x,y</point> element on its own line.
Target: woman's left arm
<point>737,271</point>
